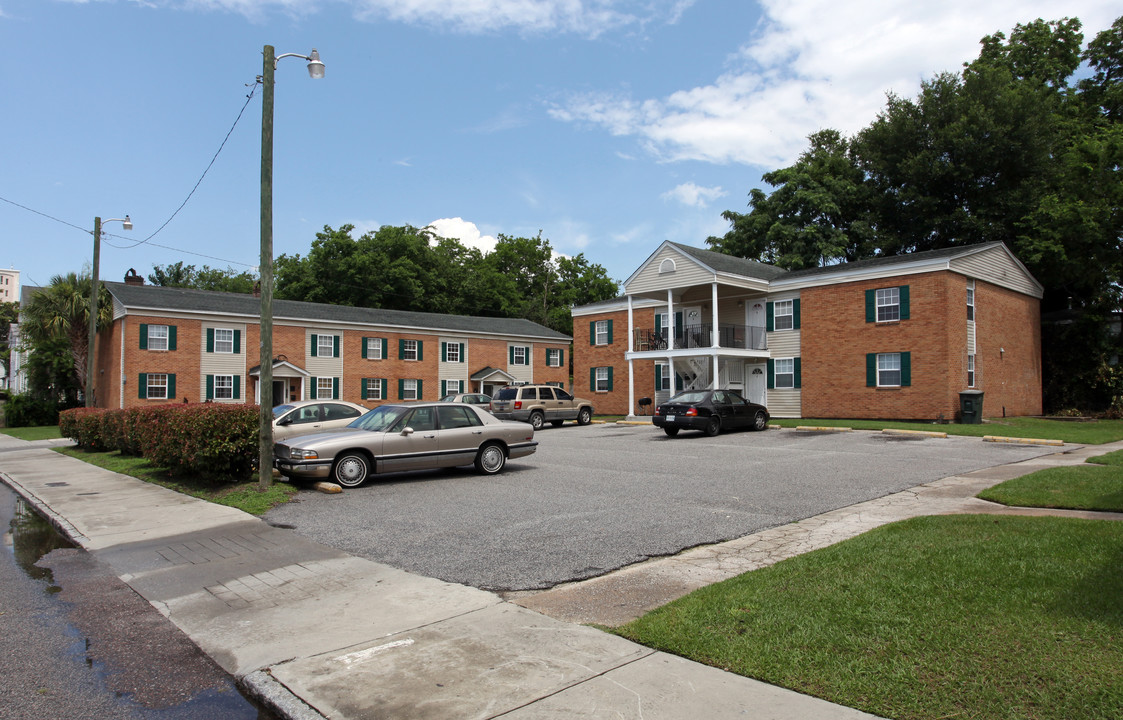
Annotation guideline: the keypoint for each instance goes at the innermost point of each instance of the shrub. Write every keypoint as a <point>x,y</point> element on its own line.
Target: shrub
<point>24,410</point>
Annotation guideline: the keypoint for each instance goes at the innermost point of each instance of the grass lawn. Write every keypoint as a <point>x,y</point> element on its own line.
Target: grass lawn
<point>1096,485</point>
<point>938,617</point>
<point>243,495</point>
<point>46,432</point>
<point>1082,433</point>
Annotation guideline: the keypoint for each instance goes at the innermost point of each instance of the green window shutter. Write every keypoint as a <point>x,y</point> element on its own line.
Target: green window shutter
<point>906,369</point>
<point>658,322</point>
<point>795,316</point>
<point>171,386</point>
<point>315,345</point>
<point>237,342</point>
<point>871,305</point>
<point>143,336</point>
<point>771,374</point>
<point>444,387</point>
<point>401,350</point>
<point>420,394</point>
<point>871,369</point>
<point>904,295</point>
<point>770,316</point>
<point>142,386</point>
<point>561,358</point>
<point>420,354</point>
<point>335,345</point>
<point>335,388</point>
<point>210,340</point>
<point>401,389</point>
<point>463,352</point>
<point>610,378</point>
<point>237,387</point>
<point>364,355</point>
<point>526,355</point>
<point>444,358</point>
<point>210,387</point>
<point>592,379</point>
<point>609,332</point>
<point>511,355</point>
<point>171,337</point>
<point>363,385</point>
<point>592,332</point>
<point>798,373</point>
<point>658,377</point>
<point>385,348</point>
<point>312,384</point>
<point>385,388</point>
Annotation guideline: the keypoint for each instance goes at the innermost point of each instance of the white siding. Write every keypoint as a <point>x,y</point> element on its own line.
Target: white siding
<point>687,272</point>
<point>784,343</point>
<point>994,265</point>
<point>212,363</point>
<point>454,370</point>
<point>521,373</point>
<point>785,403</point>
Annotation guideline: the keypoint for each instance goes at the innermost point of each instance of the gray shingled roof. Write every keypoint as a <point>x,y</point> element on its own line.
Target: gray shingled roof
<point>206,301</point>
<point>888,260</point>
<point>721,262</point>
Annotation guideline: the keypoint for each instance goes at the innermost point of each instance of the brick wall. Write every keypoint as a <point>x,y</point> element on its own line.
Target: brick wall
<point>1011,380</point>
<point>587,356</point>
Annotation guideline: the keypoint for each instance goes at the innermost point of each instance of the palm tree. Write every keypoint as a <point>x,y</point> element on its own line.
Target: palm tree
<point>61,312</point>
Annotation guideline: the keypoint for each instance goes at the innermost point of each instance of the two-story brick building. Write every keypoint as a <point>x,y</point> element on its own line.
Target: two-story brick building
<point>168,344</point>
<point>894,337</point>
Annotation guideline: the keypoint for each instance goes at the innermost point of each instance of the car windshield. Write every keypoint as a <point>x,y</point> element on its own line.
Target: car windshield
<point>689,398</point>
<point>449,398</point>
<point>379,418</point>
<point>280,410</point>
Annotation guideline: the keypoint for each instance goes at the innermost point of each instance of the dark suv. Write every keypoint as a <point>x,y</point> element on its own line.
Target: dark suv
<point>540,404</point>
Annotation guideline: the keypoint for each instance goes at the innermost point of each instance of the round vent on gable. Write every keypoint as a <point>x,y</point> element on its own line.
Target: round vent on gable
<point>667,266</point>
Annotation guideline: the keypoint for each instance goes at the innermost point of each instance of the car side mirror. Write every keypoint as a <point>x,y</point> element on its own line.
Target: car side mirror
<point>407,431</point>
<point>285,421</point>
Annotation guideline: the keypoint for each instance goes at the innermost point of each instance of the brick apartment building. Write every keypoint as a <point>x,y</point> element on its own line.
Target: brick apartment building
<point>174,344</point>
<point>889,338</point>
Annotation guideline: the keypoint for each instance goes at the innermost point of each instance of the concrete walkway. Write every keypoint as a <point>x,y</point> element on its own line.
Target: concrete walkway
<point>316,633</point>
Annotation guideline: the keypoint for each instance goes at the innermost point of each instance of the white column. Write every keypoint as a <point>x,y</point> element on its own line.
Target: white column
<point>631,362</point>
<point>713,321</point>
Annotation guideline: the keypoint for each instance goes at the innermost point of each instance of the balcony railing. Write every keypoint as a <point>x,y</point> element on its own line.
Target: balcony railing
<point>748,337</point>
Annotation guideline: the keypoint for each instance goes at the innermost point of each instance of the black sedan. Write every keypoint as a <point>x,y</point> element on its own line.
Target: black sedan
<point>710,411</point>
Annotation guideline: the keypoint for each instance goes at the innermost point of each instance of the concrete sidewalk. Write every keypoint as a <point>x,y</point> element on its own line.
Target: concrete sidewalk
<point>317,633</point>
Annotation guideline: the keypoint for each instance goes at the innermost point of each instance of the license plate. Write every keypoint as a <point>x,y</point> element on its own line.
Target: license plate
<point>670,418</point>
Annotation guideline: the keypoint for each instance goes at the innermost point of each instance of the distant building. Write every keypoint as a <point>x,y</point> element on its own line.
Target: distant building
<point>9,286</point>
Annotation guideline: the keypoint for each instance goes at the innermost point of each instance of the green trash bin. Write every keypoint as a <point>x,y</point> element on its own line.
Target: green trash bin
<point>971,407</point>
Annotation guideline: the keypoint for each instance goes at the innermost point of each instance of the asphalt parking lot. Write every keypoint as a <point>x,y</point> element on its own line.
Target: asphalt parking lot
<point>599,497</point>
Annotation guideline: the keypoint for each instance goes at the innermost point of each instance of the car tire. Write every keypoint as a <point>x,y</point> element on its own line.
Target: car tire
<point>490,459</point>
<point>351,470</point>
<point>713,427</point>
<point>536,420</point>
<point>557,423</point>
<point>584,416</point>
<point>759,421</point>
<point>671,431</point>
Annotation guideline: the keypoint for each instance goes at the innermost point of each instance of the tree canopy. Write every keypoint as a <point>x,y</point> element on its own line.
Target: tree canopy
<point>1023,146</point>
<point>206,278</point>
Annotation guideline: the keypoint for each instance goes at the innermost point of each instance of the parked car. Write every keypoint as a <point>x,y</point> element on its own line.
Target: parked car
<point>710,411</point>
<point>540,404</point>
<point>481,401</point>
<point>309,416</point>
<point>393,438</point>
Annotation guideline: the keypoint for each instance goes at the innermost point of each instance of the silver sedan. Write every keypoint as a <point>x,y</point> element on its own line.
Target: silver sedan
<point>394,438</point>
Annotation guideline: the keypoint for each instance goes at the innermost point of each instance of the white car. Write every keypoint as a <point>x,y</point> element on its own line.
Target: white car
<point>310,416</point>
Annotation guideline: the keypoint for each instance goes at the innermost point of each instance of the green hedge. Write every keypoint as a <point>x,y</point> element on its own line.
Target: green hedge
<point>211,442</point>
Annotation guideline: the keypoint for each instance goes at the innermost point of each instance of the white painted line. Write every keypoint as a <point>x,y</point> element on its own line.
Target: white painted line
<point>364,655</point>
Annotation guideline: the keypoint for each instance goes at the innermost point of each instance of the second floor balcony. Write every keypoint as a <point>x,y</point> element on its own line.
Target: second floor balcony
<point>743,337</point>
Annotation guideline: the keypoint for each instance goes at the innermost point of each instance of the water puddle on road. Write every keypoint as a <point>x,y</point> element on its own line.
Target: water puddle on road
<point>122,640</point>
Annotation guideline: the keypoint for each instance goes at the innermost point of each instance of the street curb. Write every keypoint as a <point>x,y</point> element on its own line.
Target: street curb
<point>276,698</point>
<point>922,433</point>
<point>812,428</point>
<point>1022,441</point>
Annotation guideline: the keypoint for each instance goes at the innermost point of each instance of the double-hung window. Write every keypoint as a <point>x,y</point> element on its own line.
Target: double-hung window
<point>223,340</point>
<point>409,390</point>
<point>971,303</point>
<point>554,357</point>
<point>888,369</point>
<point>409,352</point>
<point>452,352</point>
<point>157,337</point>
<point>223,387</point>
<point>971,371</point>
<point>373,348</point>
<point>518,355</point>
<point>602,379</point>
<point>784,373</point>
<point>783,314</point>
<point>157,386</point>
<point>888,304</point>
<point>325,345</point>
<point>602,332</point>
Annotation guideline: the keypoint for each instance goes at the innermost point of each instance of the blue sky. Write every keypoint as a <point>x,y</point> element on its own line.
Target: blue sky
<point>608,125</point>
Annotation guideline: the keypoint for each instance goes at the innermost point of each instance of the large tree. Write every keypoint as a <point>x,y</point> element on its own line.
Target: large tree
<point>206,278</point>
<point>1014,148</point>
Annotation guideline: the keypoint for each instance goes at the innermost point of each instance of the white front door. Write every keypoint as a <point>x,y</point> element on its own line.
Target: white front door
<point>757,384</point>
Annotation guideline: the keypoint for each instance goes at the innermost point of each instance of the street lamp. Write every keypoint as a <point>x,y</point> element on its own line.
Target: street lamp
<point>94,287</point>
<point>265,370</point>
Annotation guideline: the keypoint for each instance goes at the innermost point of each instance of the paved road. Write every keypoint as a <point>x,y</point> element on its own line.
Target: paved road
<point>596,498</point>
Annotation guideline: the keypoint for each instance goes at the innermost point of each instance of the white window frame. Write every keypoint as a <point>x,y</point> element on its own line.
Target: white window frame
<point>157,390</point>
<point>409,389</point>
<point>409,350</point>
<point>374,348</point>
<point>223,387</point>
<point>601,332</point>
<point>374,389</point>
<point>888,302</point>
<point>325,388</point>
<point>154,335</point>
<point>602,379</point>
<point>452,352</point>
<point>783,368</point>
<point>888,363</point>
<point>663,376</point>
<point>519,355</point>
<point>788,316</point>
<point>325,346</point>
<point>970,370</point>
<point>454,387</point>
<point>553,357</point>
<point>971,302</point>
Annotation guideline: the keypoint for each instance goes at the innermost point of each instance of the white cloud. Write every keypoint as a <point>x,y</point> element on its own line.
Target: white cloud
<point>813,64</point>
<point>693,195</point>
<point>466,232</point>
